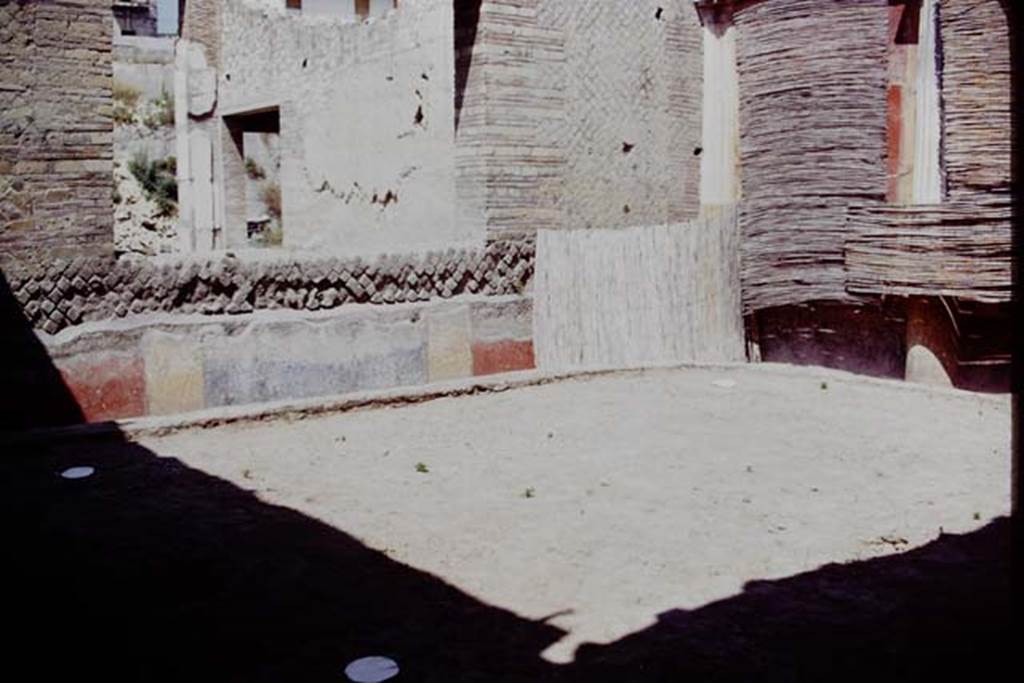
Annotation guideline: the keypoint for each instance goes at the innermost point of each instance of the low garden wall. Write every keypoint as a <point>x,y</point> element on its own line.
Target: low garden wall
<point>168,335</point>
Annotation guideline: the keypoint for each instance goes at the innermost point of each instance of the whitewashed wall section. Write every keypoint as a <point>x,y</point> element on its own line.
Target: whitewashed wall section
<point>636,296</point>
<point>929,183</point>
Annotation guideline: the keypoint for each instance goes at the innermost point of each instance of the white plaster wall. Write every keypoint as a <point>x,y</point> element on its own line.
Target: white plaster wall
<point>145,63</point>
<point>337,8</point>
<point>720,156</point>
<point>928,181</point>
<point>349,94</point>
<point>345,8</point>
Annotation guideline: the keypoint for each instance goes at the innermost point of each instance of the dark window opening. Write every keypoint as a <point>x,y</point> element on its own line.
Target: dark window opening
<point>252,180</point>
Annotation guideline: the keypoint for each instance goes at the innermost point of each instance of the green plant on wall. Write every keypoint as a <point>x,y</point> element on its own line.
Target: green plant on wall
<point>126,100</point>
<point>271,196</point>
<point>162,113</point>
<point>254,170</point>
<point>158,180</point>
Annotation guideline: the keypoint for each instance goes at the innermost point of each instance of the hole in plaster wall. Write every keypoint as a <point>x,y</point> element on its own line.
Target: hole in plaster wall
<point>304,63</point>
<point>627,148</point>
<point>418,119</point>
<point>697,151</point>
<point>227,77</point>
<point>625,209</point>
<point>657,15</point>
<point>425,77</point>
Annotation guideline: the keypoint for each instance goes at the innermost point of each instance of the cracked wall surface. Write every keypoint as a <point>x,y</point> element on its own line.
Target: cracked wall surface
<point>366,117</point>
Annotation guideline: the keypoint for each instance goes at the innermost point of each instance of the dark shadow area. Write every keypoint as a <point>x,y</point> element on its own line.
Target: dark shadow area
<point>908,27</point>
<point>34,394</point>
<point>151,570</point>
<point>940,612</point>
<point>867,338</point>
<point>1013,9</point>
<point>467,20</point>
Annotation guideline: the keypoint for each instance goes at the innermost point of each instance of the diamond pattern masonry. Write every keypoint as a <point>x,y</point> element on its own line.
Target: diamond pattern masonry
<point>65,292</point>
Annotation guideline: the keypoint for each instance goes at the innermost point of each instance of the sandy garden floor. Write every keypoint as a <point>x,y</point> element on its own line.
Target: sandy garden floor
<point>636,526</point>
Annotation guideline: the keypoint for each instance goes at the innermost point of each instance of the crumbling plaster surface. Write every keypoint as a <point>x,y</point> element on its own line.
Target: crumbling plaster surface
<point>367,121</point>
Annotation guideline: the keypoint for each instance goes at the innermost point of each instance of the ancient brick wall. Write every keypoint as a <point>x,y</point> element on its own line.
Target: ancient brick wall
<point>631,80</point>
<point>201,23</point>
<point>175,334</point>
<point>976,96</point>
<point>578,114</point>
<point>510,99</point>
<point>961,244</point>
<point>56,130</point>
<point>813,77</point>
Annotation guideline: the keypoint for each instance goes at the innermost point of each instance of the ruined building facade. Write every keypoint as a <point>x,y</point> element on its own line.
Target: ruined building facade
<point>135,17</point>
<point>465,187</point>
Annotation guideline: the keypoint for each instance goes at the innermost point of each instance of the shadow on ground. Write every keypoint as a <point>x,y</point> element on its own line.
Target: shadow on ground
<point>151,570</point>
<point>154,571</point>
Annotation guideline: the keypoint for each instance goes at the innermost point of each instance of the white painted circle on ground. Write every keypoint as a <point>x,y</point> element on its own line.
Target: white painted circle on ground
<point>372,670</point>
<point>724,383</point>
<point>77,472</point>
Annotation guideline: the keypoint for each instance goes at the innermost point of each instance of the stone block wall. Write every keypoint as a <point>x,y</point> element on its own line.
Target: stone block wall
<point>64,293</point>
<point>56,130</point>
